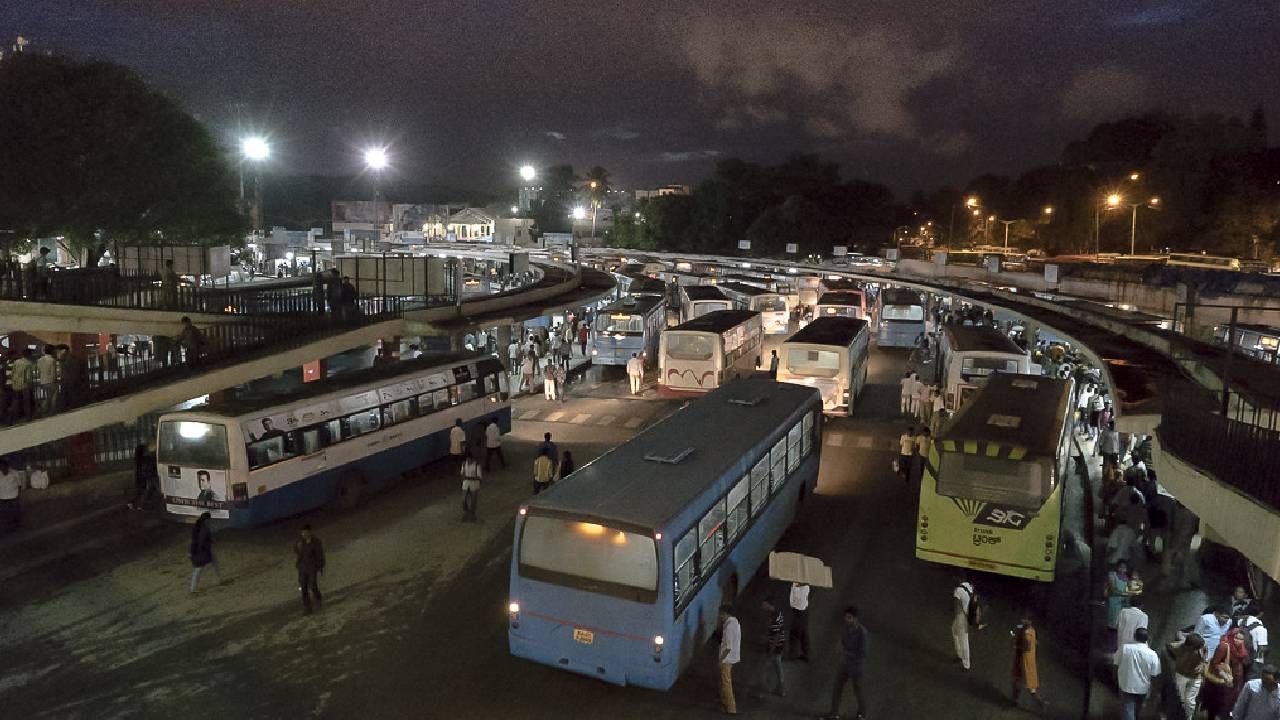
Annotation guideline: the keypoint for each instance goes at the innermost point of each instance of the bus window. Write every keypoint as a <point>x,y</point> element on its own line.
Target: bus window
<point>631,324</point>
<point>689,347</point>
<point>738,507</point>
<point>271,448</point>
<point>806,438</point>
<point>686,563</point>
<point>711,530</point>
<point>311,442</point>
<point>813,363</point>
<point>363,422</point>
<point>769,304</point>
<point>759,485</point>
<point>910,313</point>
<point>1018,483</point>
<point>778,458</point>
<point>440,399</point>
<point>465,392</point>
<point>490,384</point>
<point>982,366</point>
<point>793,447</point>
<point>193,444</point>
<point>585,554</point>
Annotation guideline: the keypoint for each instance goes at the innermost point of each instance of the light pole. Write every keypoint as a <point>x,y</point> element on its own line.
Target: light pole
<point>969,202</point>
<point>1153,204</point>
<point>254,150</point>
<point>375,159</point>
<point>1007,223</point>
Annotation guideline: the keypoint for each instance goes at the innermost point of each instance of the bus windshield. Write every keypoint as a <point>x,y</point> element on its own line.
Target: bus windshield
<point>768,303</point>
<point>1023,484</point>
<point>620,323</point>
<point>972,367</point>
<point>689,347</point>
<point>814,363</point>
<point>902,313</point>
<point>193,444</point>
<point>704,307</point>
<point>587,555</point>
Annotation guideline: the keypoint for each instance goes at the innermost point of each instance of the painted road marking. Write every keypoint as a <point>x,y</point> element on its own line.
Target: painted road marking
<point>555,416</point>
<point>529,415</point>
<point>606,420</point>
<point>578,420</point>
<point>633,422</point>
<point>835,440</point>
<point>864,441</point>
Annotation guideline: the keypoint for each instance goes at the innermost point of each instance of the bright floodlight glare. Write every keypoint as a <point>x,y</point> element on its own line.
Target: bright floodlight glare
<point>255,148</point>
<point>1114,199</point>
<point>579,213</point>
<point>527,173</point>
<point>514,209</point>
<point>192,430</point>
<point>375,158</point>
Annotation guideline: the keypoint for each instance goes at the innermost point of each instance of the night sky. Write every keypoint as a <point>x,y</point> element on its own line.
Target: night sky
<point>906,92</point>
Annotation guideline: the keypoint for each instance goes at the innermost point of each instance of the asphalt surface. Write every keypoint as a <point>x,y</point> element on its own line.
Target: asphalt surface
<point>414,624</point>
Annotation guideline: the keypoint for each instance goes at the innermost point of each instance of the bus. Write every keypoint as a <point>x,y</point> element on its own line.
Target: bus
<point>628,326</point>
<point>991,491</point>
<point>644,285</point>
<point>257,458</point>
<point>830,354</point>
<point>969,354</point>
<point>698,300</point>
<point>841,303</point>
<point>900,317</point>
<point>618,571</point>
<point>808,288</point>
<point>771,305</point>
<point>704,353</point>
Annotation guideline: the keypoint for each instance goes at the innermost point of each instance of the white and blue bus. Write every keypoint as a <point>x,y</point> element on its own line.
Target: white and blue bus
<point>900,317</point>
<point>629,326</point>
<point>251,460</point>
<point>618,571</point>
<point>698,300</point>
<point>830,354</point>
<point>771,305</point>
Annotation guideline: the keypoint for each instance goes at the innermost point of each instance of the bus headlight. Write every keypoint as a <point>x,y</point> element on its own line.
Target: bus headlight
<point>658,642</point>
<point>513,614</point>
<point>595,351</point>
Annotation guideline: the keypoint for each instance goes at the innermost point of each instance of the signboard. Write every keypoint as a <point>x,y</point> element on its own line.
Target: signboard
<point>793,248</point>
<point>840,250</point>
<point>797,568</point>
<point>744,244</point>
<point>1051,273</point>
<point>193,491</point>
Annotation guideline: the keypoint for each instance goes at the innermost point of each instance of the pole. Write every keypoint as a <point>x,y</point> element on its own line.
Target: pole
<point>1226,363</point>
<point>1097,232</point>
<point>951,230</point>
<point>1133,231</point>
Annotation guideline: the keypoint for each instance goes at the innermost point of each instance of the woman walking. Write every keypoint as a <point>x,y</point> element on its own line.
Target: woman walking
<point>202,551</point>
<point>1025,674</point>
<point>566,467</point>
<point>1117,597</point>
<point>1225,676</point>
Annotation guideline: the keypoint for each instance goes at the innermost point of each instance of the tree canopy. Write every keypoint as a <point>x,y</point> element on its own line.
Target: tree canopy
<point>91,151</point>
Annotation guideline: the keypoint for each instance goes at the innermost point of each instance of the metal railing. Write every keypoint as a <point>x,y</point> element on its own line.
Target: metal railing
<point>1239,454</point>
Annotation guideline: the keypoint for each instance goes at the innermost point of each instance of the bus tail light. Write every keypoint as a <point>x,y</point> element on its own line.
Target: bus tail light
<point>513,614</point>
<point>658,642</point>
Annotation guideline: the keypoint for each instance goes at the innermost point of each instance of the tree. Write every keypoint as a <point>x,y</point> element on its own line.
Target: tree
<point>91,150</point>
<point>596,186</point>
<point>551,208</point>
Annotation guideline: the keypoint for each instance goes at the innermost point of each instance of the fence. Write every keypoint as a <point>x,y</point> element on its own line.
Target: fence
<point>1236,453</point>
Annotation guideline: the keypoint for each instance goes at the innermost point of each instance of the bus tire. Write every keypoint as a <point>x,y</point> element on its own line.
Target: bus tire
<point>346,494</point>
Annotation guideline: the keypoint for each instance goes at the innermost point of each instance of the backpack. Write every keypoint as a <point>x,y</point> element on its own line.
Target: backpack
<point>977,613</point>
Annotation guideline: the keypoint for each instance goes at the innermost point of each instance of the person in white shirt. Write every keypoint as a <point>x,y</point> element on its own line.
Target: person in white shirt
<point>493,445</point>
<point>1259,699</point>
<point>939,406</point>
<point>961,597</point>
<point>923,401</point>
<point>513,353</point>
<point>10,504</point>
<point>799,632</point>
<point>1252,624</point>
<point>471,476</point>
<point>1127,623</point>
<point>46,381</point>
<point>549,381</point>
<point>730,655</point>
<point>457,443</point>
<point>1138,665</point>
<point>908,391</point>
<point>635,372</point>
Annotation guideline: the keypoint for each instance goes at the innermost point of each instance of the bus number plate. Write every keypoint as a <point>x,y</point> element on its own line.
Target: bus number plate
<point>586,637</point>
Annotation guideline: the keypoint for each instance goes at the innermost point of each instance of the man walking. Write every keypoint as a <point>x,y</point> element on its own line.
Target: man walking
<point>46,381</point>
<point>908,391</point>
<point>775,642</point>
<point>1259,699</point>
<point>549,381</point>
<point>544,469</point>
<point>799,640</point>
<point>513,355</point>
<point>1127,623</point>
<point>962,598</point>
<point>582,338</point>
<point>922,441</point>
<point>730,655</point>
<point>1139,664</point>
<point>22,374</point>
<point>309,560</point>
<point>1188,670</point>
<point>471,476</point>
<point>635,372</point>
<point>853,652</point>
<point>457,443</point>
<point>906,450</point>
<point>773,364</point>
<point>493,445</point>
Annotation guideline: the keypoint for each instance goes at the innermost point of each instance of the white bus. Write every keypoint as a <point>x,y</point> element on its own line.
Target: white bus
<point>698,356</point>
<point>698,300</point>
<point>842,303</point>
<point>829,354</point>
<point>772,306</point>
<point>255,459</point>
<point>968,354</point>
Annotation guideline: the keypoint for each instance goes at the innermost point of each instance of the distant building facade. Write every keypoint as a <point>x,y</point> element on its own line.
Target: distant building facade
<point>662,192</point>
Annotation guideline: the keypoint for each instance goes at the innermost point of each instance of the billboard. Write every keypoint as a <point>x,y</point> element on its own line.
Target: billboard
<point>744,244</point>
<point>793,248</point>
<point>840,250</point>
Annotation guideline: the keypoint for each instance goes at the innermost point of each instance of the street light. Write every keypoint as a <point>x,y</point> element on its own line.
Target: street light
<point>375,158</point>
<point>1135,176</point>
<point>255,150</point>
<point>1048,210</point>
<point>1152,204</point>
<point>527,173</point>
<point>579,213</point>
<point>1114,200</point>
<point>971,201</point>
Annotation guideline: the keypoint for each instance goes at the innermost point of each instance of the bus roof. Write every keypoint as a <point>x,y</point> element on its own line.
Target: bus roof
<point>702,292</point>
<point>842,284</point>
<point>842,297</point>
<point>256,400</point>
<point>646,284</point>
<point>1025,411</point>
<point>623,486</point>
<point>981,338</point>
<point>744,288</point>
<point>717,321</point>
<point>899,296</point>
<point>830,330</point>
<point>638,305</point>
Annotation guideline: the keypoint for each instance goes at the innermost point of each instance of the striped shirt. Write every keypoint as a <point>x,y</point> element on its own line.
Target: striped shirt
<point>777,639</point>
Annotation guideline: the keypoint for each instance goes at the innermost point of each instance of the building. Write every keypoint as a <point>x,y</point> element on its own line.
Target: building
<point>517,232</point>
<point>470,225</point>
<point>662,192</point>
<point>360,219</point>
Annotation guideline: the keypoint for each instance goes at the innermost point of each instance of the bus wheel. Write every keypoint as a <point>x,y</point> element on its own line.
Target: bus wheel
<point>346,494</point>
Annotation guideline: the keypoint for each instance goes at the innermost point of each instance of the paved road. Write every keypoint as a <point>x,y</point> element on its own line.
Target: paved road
<point>415,621</point>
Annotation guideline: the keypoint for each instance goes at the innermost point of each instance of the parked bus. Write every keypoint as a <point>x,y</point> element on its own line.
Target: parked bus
<point>991,491</point>
<point>842,303</point>
<point>640,286</point>
<point>772,306</point>
<point>257,458</point>
<point>899,316</point>
<point>629,326</point>
<point>830,354</point>
<point>618,571</point>
<point>808,289</point>
<point>698,300</point>
<point>967,355</point>
<point>702,354</point>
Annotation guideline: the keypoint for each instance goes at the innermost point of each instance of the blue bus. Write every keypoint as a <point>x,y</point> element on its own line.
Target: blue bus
<point>250,460</point>
<point>900,317</point>
<point>619,570</point>
<point>627,326</point>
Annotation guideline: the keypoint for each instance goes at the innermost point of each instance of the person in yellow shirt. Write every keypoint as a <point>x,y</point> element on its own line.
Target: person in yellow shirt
<point>906,449</point>
<point>543,471</point>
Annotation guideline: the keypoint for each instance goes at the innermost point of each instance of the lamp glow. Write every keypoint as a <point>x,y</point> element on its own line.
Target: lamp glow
<point>375,158</point>
<point>579,213</point>
<point>255,148</point>
<point>527,173</point>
